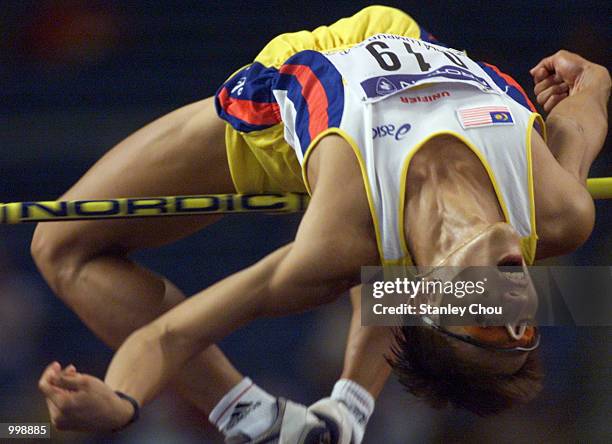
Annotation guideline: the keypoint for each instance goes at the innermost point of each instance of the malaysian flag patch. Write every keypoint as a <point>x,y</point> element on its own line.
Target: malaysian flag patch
<point>484,116</point>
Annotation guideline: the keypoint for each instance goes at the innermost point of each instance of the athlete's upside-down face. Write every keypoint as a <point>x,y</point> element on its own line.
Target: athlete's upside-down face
<point>483,365</point>
<point>493,257</point>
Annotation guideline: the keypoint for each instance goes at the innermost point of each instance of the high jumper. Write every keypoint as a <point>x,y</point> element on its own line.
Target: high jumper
<point>413,154</point>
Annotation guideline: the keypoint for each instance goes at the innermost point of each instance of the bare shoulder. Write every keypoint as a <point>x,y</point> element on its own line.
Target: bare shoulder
<point>338,220</point>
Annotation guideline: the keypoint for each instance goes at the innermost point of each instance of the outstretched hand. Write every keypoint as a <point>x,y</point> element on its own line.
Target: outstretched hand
<point>77,401</point>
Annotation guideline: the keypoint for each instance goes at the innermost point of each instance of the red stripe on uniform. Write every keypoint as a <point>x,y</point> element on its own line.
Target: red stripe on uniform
<point>253,113</point>
<point>512,82</point>
<point>314,94</point>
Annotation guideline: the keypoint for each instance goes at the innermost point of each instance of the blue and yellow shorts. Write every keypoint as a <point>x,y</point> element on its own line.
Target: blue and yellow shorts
<point>260,159</point>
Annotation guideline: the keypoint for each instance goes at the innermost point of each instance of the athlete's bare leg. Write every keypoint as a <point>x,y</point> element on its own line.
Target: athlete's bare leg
<point>87,264</point>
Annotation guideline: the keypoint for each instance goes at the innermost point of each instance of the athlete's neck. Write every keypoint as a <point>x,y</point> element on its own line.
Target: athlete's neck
<point>449,200</point>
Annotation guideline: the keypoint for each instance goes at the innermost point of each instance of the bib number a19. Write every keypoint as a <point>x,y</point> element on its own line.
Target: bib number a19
<point>385,64</point>
<point>389,60</point>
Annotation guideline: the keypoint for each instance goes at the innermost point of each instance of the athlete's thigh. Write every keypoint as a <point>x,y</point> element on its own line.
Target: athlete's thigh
<point>180,153</point>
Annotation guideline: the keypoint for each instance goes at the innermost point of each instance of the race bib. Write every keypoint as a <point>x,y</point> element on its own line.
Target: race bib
<point>386,64</point>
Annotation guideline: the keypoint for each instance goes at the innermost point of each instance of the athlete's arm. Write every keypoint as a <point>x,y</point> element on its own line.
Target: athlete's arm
<point>157,351</point>
<point>575,92</point>
<point>366,350</point>
<point>334,240</point>
<point>366,370</point>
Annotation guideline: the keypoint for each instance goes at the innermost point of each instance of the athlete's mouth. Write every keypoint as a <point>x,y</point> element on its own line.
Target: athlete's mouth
<point>517,274</point>
<point>511,260</point>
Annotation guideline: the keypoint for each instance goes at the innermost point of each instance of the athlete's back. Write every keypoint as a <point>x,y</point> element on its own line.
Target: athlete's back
<point>386,96</point>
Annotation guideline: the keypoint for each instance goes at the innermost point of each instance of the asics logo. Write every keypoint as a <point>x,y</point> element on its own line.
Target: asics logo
<point>239,86</point>
<point>390,130</point>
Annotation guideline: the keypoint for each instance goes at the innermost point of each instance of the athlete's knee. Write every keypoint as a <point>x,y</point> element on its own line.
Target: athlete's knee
<point>59,253</point>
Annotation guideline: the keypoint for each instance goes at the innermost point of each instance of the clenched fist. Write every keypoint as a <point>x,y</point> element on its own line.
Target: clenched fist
<point>564,74</point>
